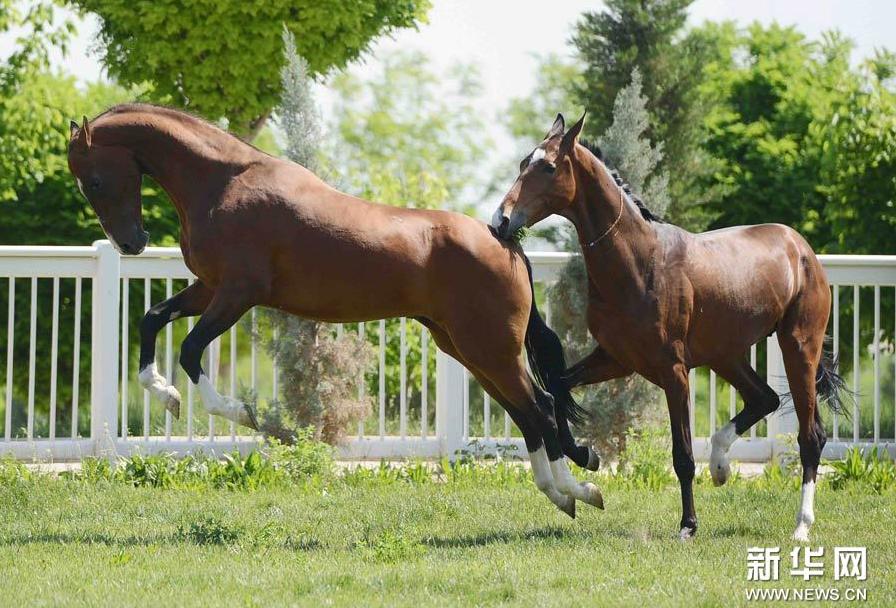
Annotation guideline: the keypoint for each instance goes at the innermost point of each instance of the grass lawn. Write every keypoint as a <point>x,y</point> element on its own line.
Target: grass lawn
<point>74,543</point>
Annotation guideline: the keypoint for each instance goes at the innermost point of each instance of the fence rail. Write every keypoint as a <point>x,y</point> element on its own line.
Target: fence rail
<point>436,411</point>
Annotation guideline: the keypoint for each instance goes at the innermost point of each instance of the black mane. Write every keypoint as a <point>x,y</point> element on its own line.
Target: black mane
<point>646,213</point>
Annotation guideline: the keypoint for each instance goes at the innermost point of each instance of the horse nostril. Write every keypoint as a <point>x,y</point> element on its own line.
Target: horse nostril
<point>505,223</point>
<point>127,248</point>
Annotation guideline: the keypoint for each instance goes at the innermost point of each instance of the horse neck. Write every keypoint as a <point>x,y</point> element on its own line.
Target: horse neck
<point>175,155</point>
<point>617,242</point>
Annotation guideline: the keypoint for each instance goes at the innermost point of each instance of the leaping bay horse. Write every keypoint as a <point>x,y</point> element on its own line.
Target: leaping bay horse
<point>257,230</point>
<point>662,300</point>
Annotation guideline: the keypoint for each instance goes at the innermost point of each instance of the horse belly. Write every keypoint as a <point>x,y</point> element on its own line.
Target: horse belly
<point>348,288</point>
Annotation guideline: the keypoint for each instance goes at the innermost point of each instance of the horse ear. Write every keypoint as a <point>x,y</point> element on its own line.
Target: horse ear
<point>84,134</point>
<point>72,129</point>
<point>569,139</point>
<point>557,128</point>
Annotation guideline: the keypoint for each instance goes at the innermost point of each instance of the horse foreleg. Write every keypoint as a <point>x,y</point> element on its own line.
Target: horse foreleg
<point>186,303</point>
<point>759,400</point>
<point>676,387</point>
<point>226,307</point>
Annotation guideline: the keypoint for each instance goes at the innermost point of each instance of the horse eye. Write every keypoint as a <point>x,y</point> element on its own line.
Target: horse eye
<point>523,164</point>
<point>549,168</point>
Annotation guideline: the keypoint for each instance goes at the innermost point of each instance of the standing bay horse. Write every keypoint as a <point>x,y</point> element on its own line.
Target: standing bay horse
<point>257,230</point>
<point>662,301</point>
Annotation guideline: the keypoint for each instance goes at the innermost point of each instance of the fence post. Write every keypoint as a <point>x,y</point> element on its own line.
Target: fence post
<point>784,420</point>
<point>104,346</point>
<point>449,404</point>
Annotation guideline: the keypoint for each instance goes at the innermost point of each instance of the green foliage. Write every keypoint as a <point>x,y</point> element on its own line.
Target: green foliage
<point>644,463</point>
<point>303,459</point>
<point>12,471</point>
<point>208,531</point>
<point>875,470</point>
<point>408,136</point>
<point>389,546</point>
<point>223,59</point>
<point>803,138</point>
<point>306,461</point>
<point>858,159</point>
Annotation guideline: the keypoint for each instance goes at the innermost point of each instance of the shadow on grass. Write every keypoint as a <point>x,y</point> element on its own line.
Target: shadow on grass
<point>290,543</point>
<point>96,538</point>
<point>504,537</point>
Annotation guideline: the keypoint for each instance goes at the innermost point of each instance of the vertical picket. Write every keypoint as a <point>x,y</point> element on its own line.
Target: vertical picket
<point>10,341</point>
<point>32,358</point>
<point>125,296</point>
<point>76,358</point>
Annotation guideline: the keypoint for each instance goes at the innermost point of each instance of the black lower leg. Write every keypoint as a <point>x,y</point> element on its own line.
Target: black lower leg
<point>188,302</point>
<point>683,463</point>
<point>754,411</point>
<point>579,454</point>
<point>547,423</point>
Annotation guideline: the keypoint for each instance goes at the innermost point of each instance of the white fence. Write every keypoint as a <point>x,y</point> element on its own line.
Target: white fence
<point>118,417</point>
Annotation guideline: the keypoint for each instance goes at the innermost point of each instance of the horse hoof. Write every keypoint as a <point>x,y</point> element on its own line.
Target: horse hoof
<point>247,418</point>
<point>593,496</point>
<point>687,533</point>
<point>801,534</point>
<point>569,508</point>
<point>172,404</point>
<point>593,460</point>
<point>720,473</point>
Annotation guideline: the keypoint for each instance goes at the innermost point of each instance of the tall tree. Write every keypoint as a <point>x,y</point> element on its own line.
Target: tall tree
<point>649,35</point>
<point>223,59</point>
<point>407,135</point>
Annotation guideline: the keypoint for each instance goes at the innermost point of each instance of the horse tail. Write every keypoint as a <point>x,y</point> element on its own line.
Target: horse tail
<point>548,363</point>
<point>829,384</point>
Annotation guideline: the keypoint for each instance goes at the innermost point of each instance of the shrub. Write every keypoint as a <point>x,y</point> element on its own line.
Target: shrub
<point>645,461</point>
<point>302,460</point>
<point>208,531</point>
<point>874,469</point>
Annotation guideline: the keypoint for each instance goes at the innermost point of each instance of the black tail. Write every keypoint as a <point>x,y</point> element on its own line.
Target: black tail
<point>548,363</point>
<point>829,385</point>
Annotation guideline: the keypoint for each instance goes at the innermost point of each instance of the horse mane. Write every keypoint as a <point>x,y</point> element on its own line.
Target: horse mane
<point>182,116</point>
<point>646,213</point>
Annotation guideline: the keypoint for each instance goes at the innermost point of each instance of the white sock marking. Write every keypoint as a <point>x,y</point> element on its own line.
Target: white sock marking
<point>544,479</point>
<point>806,516</point>
<point>719,466</point>
<point>221,405</point>
<point>567,484</point>
<point>158,386</point>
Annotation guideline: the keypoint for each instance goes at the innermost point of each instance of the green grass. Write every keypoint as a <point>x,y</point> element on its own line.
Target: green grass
<point>376,539</point>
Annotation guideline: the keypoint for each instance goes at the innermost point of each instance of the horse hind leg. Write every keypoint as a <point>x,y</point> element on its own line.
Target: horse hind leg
<point>801,363</point>
<point>541,471</point>
<point>801,337</point>
<point>759,400</point>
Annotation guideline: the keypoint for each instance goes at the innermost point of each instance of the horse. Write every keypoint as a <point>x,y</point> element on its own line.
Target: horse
<point>258,230</point>
<point>662,300</point>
